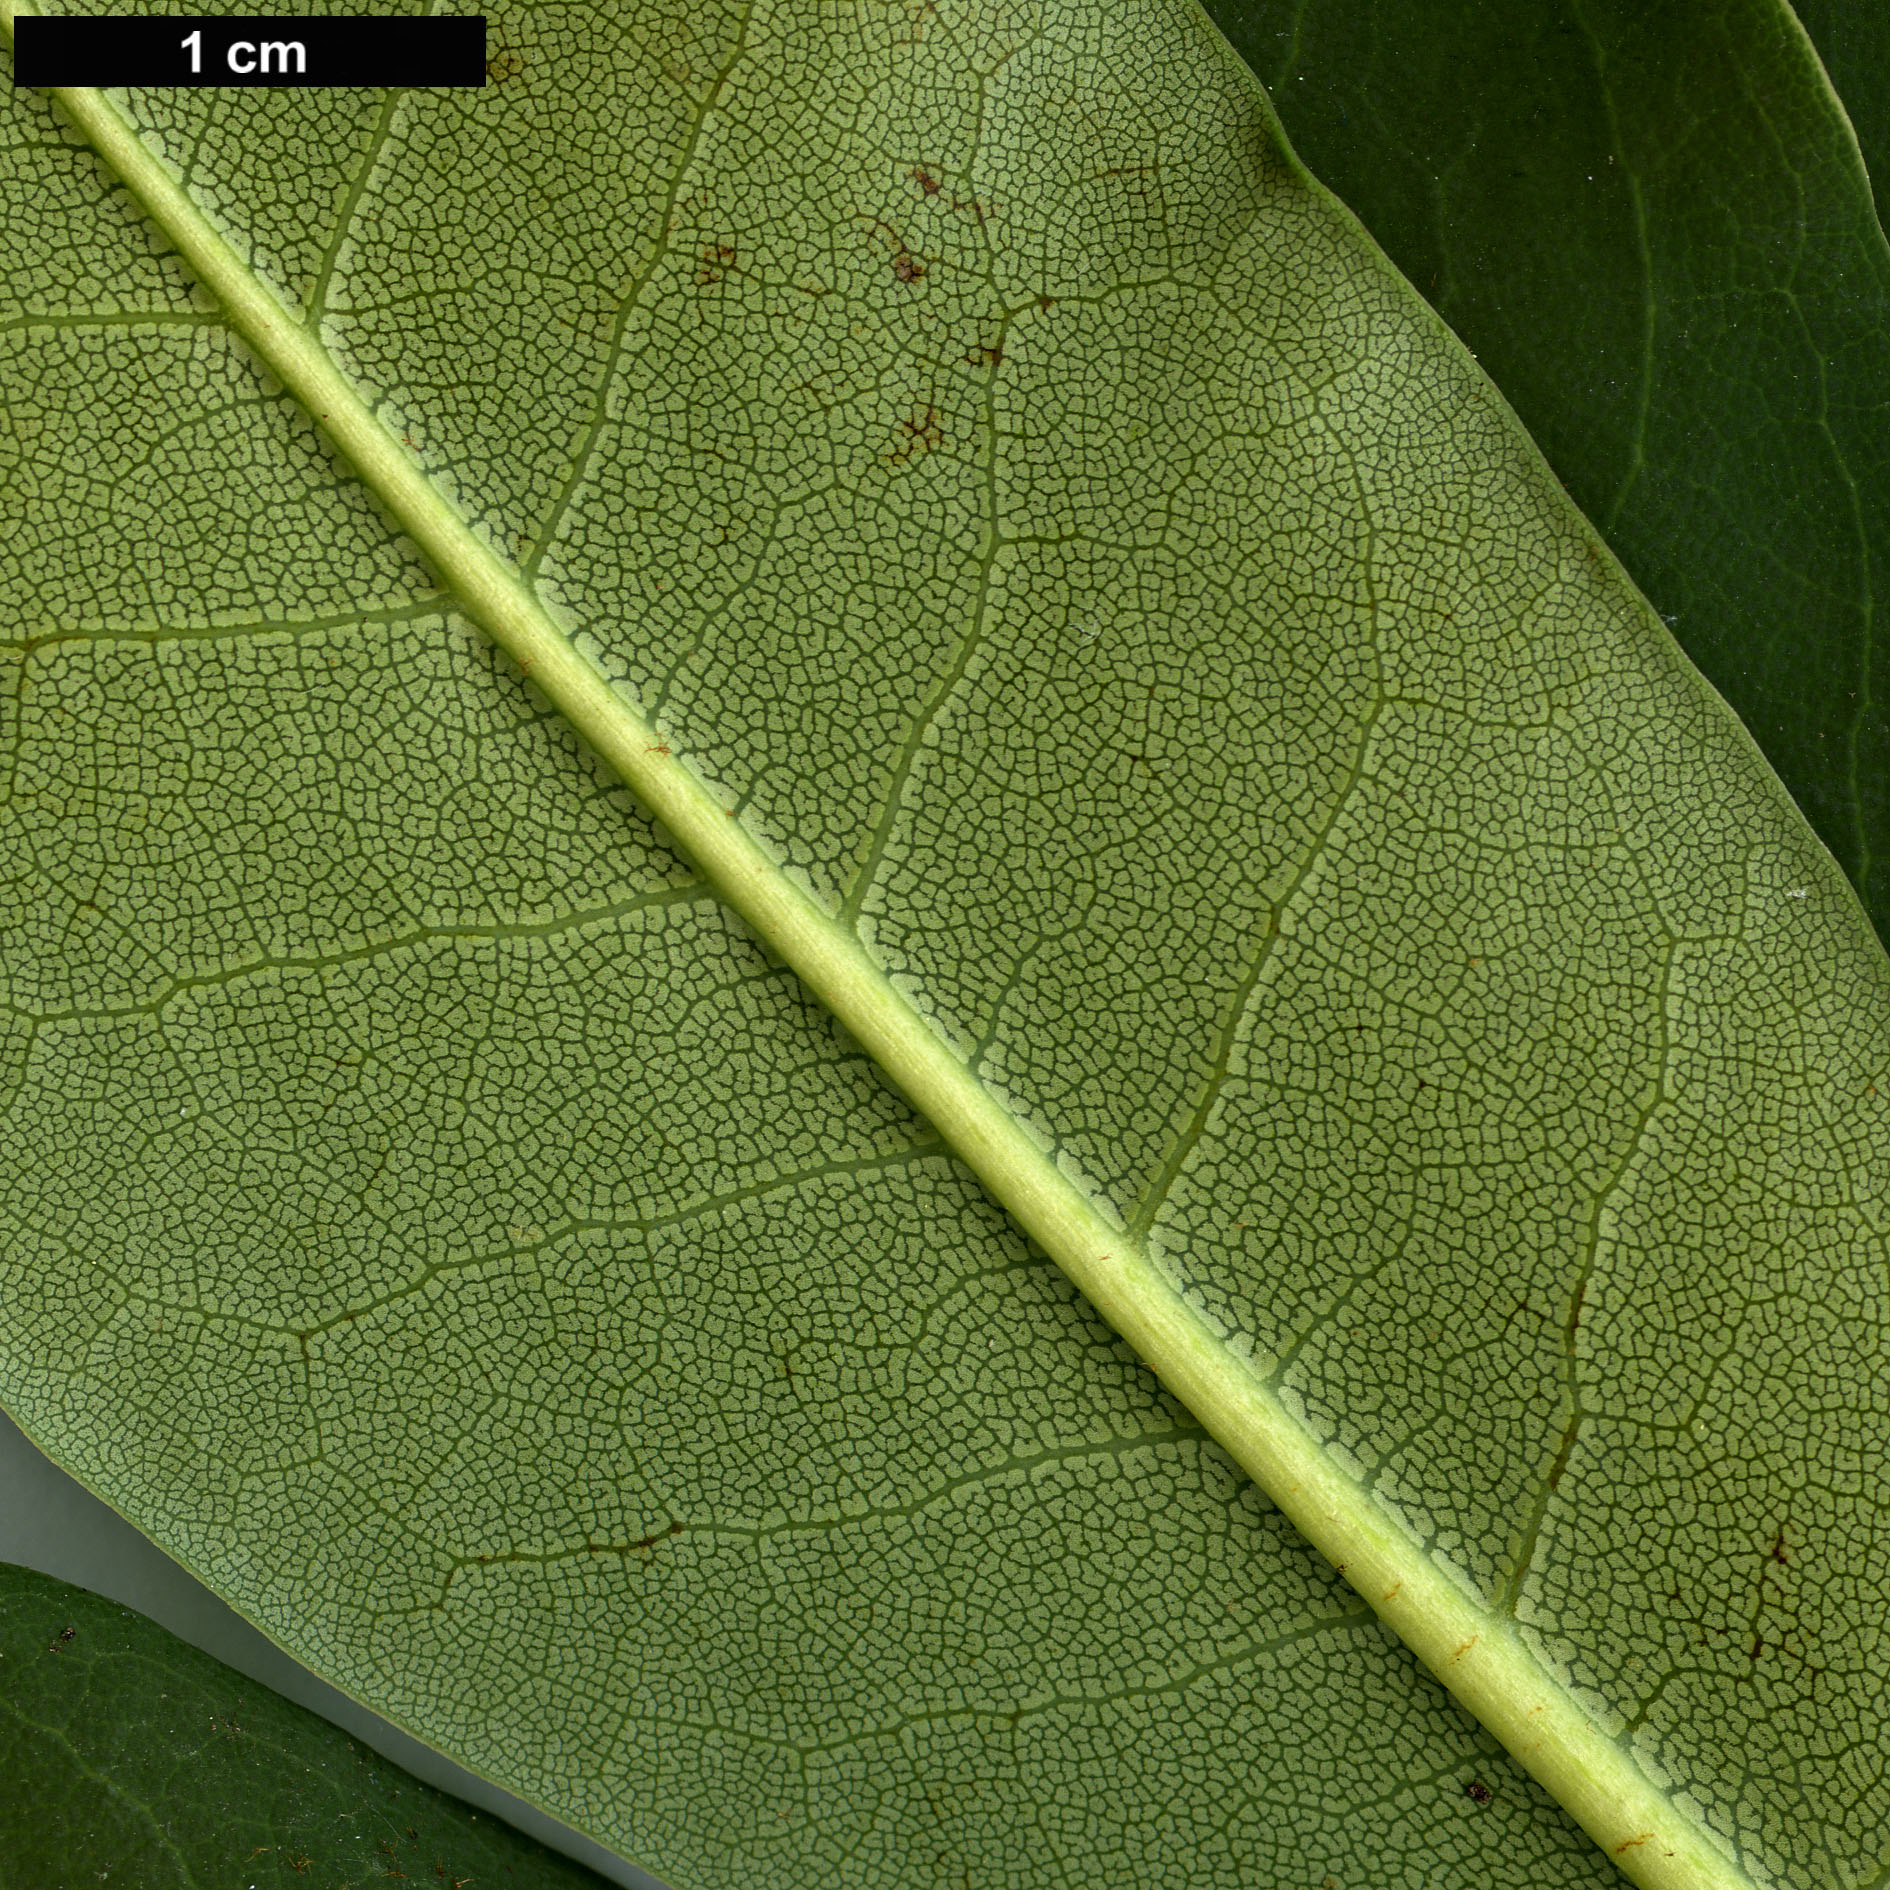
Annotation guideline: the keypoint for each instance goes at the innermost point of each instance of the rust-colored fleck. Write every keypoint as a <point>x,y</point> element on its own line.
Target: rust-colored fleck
<point>918,433</point>
<point>716,258</point>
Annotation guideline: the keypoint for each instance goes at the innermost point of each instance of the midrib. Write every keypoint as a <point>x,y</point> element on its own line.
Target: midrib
<point>1474,1652</point>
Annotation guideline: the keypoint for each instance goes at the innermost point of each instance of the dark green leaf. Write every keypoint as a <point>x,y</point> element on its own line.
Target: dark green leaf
<point>132,1758</point>
<point>1854,43</point>
<point>1652,226</point>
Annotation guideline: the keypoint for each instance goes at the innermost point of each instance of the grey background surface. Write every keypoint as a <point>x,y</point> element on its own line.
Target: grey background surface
<point>50,1523</point>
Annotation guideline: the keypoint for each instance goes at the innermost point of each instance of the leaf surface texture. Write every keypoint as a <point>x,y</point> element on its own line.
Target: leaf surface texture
<point>1069,545</point>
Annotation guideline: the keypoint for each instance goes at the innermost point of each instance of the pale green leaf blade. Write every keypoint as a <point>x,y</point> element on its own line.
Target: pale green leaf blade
<point>133,1758</point>
<point>847,1385</point>
<point>665,1419</point>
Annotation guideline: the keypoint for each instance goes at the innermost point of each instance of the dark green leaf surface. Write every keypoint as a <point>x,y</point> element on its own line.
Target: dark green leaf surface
<point>129,1757</point>
<point>1652,226</point>
<point>1854,43</point>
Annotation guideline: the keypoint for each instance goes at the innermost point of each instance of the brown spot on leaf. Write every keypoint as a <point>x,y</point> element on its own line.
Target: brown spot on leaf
<point>1477,1792</point>
<point>925,180</point>
<point>907,268</point>
<point>918,434</point>
<point>716,258</point>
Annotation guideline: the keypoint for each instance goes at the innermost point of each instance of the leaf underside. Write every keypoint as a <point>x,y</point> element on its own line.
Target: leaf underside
<point>1070,545</point>
<point>131,1757</point>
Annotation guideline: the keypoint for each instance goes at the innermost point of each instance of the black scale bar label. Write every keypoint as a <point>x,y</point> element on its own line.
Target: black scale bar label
<point>188,49</point>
